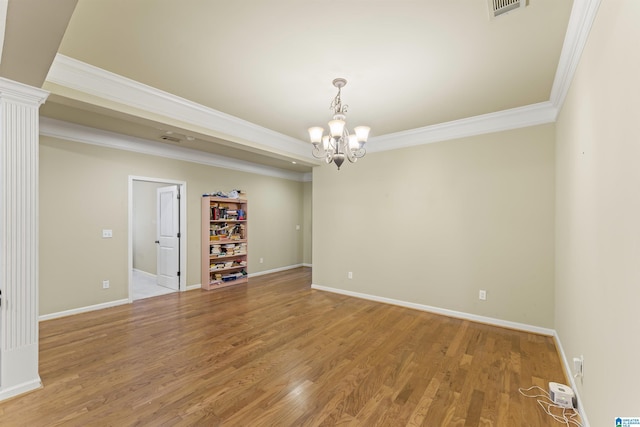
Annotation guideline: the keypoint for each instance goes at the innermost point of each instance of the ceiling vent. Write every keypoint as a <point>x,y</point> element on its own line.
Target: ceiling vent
<point>169,138</point>
<point>500,7</point>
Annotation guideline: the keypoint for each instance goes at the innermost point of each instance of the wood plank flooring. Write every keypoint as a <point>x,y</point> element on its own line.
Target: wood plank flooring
<point>276,353</point>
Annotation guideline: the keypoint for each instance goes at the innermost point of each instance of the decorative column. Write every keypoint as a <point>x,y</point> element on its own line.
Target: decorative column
<point>19,136</point>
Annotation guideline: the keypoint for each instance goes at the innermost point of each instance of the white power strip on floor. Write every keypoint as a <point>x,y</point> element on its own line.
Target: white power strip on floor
<point>561,395</point>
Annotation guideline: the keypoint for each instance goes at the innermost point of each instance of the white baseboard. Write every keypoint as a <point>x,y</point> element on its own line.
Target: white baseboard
<point>275,270</point>
<point>20,389</point>
<point>145,273</point>
<point>83,309</point>
<point>259,273</point>
<point>443,311</point>
<point>568,371</point>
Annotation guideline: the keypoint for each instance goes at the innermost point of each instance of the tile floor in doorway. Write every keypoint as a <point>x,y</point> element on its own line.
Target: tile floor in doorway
<point>144,286</point>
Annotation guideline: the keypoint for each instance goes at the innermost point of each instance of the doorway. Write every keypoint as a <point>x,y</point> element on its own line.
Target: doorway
<point>148,262</point>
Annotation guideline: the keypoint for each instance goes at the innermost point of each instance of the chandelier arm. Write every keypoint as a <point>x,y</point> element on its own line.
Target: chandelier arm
<point>361,152</point>
<point>349,153</point>
<point>317,155</point>
<point>354,155</point>
<point>331,150</point>
<point>318,151</point>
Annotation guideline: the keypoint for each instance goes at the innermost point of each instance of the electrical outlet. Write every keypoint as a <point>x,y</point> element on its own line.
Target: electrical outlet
<point>350,275</point>
<point>578,367</point>
<point>297,227</point>
<point>482,294</point>
<point>105,284</point>
<point>261,260</point>
<point>107,234</point>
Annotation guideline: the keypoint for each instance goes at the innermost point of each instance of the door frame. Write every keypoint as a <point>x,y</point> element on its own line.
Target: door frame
<point>182,186</point>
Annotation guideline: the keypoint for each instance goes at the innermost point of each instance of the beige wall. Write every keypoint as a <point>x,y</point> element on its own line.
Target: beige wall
<point>145,225</point>
<point>598,216</point>
<point>83,189</point>
<point>307,222</point>
<point>436,223</point>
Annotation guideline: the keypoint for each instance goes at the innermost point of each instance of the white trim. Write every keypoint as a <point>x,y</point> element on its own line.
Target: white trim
<point>19,236</point>
<point>83,309</point>
<point>530,115</point>
<point>87,135</point>
<point>144,273</point>
<point>77,75</point>
<point>21,389</point>
<point>275,270</point>
<point>260,273</point>
<point>581,20</point>
<point>451,313</point>
<point>74,74</point>
<point>568,371</point>
<point>307,265</point>
<point>475,318</point>
<point>21,93</point>
<point>182,286</point>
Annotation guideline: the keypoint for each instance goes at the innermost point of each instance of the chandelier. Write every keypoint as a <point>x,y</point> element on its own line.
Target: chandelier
<point>339,143</point>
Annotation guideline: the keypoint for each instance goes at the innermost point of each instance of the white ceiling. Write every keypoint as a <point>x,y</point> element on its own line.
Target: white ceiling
<point>409,64</point>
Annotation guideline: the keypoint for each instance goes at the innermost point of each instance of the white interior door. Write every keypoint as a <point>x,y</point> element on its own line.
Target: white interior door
<point>168,237</point>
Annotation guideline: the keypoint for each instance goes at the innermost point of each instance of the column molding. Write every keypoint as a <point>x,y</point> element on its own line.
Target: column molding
<point>19,163</point>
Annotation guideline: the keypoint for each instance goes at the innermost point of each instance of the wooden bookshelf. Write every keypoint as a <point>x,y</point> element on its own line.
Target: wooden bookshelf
<point>224,242</point>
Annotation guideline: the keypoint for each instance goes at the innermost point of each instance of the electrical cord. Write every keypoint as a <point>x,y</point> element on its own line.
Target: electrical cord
<point>569,416</point>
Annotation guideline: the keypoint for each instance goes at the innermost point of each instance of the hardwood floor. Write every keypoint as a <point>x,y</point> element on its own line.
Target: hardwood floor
<point>276,353</point>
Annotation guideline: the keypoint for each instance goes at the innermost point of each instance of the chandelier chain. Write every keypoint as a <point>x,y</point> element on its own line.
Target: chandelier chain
<point>336,104</point>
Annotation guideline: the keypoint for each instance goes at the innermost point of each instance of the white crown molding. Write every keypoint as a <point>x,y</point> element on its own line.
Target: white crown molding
<point>73,132</point>
<point>86,78</point>
<point>24,94</point>
<point>77,75</point>
<point>74,74</point>
<point>531,115</point>
<point>582,16</point>
<point>580,22</point>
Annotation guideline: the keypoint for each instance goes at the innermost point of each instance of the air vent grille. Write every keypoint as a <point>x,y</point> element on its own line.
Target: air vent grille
<point>499,7</point>
<point>170,138</point>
